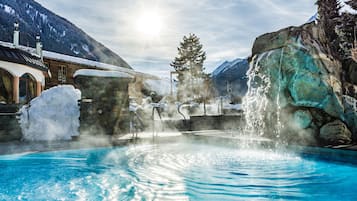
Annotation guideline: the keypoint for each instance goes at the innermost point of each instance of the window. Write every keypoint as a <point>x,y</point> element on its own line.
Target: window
<point>62,74</point>
<point>48,78</point>
<point>27,88</point>
<point>47,64</point>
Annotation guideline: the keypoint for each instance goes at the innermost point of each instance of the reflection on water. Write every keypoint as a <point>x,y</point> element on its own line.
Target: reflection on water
<point>174,171</point>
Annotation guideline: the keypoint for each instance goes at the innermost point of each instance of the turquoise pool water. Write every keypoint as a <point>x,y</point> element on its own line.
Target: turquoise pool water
<point>173,171</point>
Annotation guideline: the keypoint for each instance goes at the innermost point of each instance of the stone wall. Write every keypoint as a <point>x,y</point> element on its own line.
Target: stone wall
<point>9,126</point>
<point>104,105</point>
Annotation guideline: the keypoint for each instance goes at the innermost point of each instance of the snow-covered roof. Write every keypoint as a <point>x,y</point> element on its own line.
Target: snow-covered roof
<point>77,60</point>
<point>29,50</point>
<point>104,66</point>
<point>18,70</point>
<point>101,73</point>
<point>19,56</point>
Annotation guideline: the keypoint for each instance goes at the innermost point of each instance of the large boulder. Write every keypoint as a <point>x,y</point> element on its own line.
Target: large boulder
<point>335,133</point>
<point>293,71</point>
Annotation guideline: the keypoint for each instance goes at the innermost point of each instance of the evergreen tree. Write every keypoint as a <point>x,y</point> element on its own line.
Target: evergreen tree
<point>328,11</point>
<point>345,30</point>
<point>346,25</point>
<point>189,67</point>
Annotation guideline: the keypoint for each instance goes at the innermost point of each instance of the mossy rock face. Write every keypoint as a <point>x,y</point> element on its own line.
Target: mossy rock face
<point>297,70</point>
<point>308,90</point>
<point>299,79</point>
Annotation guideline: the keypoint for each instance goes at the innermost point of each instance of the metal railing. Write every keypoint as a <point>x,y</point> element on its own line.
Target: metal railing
<point>10,114</point>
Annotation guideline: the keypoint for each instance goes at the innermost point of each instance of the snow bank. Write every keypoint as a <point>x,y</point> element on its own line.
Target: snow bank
<point>52,116</point>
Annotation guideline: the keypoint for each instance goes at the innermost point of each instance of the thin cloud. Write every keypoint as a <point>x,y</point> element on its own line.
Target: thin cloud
<point>227,28</point>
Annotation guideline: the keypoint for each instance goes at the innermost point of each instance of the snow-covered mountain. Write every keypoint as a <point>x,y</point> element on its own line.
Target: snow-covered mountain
<point>233,74</point>
<point>313,18</point>
<point>57,34</point>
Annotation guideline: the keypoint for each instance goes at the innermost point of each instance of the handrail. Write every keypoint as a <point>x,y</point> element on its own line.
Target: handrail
<point>179,110</point>
<point>10,114</point>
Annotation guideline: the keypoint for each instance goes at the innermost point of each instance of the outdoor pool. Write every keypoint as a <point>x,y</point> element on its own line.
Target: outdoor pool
<point>173,171</point>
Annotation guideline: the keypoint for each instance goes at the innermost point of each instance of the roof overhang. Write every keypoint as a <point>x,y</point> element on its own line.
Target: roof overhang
<point>18,70</point>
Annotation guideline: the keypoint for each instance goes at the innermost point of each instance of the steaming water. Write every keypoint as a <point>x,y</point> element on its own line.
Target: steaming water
<point>174,171</point>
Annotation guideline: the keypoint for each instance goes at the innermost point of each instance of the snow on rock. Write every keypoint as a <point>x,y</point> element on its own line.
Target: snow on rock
<point>9,9</point>
<point>52,116</point>
<point>345,8</point>
<point>101,73</point>
<point>225,66</point>
<point>85,47</point>
<point>44,17</point>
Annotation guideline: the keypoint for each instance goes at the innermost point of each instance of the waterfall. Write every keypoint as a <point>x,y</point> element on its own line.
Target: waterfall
<point>262,108</point>
<point>255,102</point>
<point>278,105</point>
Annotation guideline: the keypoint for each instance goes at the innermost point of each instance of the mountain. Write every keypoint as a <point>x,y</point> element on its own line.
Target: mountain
<point>233,73</point>
<point>313,18</point>
<point>57,34</point>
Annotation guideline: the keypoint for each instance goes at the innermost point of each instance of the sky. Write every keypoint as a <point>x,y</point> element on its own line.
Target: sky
<point>146,33</point>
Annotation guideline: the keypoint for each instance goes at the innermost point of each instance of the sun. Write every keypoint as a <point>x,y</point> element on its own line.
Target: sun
<point>149,24</point>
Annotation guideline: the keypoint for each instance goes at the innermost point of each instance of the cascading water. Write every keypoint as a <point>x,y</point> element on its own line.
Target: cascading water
<point>255,102</point>
<point>278,105</point>
<point>262,115</point>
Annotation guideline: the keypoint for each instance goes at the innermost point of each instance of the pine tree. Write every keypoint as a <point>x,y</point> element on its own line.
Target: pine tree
<point>189,66</point>
<point>328,11</point>
<point>345,29</point>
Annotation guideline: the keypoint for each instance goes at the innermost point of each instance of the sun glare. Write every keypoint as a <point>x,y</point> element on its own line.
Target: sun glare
<point>149,24</point>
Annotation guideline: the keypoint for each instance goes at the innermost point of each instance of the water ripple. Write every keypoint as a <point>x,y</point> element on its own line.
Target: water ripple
<point>175,171</point>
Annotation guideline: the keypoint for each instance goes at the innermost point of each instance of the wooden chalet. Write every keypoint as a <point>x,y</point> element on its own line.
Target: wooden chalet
<point>22,73</point>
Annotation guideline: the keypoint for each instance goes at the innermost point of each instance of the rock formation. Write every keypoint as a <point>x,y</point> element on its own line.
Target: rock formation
<point>295,83</point>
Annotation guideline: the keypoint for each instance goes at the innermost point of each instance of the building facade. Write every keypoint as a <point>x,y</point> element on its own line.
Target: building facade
<point>22,73</point>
